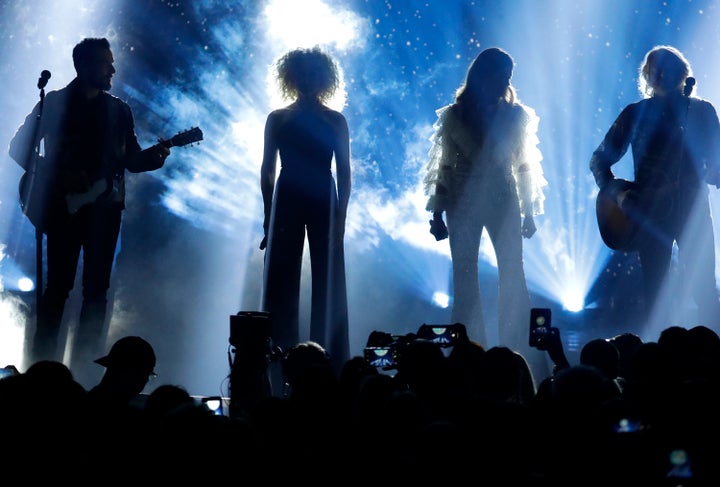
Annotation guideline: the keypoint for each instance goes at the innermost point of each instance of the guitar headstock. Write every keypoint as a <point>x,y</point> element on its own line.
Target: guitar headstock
<point>189,136</point>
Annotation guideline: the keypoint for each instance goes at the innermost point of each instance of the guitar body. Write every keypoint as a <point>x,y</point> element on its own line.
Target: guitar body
<point>41,203</point>
<point>35,194</point>
<point>75,201</point>
<point>618,228</point>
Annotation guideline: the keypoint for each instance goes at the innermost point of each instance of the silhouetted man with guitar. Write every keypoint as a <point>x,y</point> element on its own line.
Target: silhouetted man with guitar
<point>675,142</point>
<point>75,146</point>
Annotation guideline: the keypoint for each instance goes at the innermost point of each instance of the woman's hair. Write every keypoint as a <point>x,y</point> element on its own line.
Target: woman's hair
<point>310,72</point>
<point>664,68</point>
<point>492,61</point>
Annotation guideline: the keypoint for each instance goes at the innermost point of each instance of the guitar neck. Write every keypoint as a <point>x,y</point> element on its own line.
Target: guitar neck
<point>183,138</point>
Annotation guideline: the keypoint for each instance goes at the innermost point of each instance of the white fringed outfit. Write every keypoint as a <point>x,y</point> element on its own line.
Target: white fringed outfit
<point>487,180</point>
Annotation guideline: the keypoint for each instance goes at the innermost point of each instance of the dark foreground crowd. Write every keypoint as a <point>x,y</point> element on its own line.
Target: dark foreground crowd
<point>629,413</point>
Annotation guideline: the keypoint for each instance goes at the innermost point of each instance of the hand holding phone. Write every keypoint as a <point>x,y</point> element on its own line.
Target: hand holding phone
<point>540,325</point>
<point>546,337</point>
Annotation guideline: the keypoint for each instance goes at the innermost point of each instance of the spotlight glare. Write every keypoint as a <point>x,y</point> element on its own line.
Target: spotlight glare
<point>441,299</point>
<point>573,301</point>
<point>25,284</point>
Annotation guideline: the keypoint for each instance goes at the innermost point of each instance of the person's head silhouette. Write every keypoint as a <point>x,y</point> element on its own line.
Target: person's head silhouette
<point>130,363</point>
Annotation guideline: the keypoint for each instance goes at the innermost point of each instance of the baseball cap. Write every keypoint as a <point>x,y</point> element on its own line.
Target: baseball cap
<point>130,352</point>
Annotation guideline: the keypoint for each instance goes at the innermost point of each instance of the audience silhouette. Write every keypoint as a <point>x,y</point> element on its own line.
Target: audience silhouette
<point>115,409</point>
<point>43,410</point>
<point>643,413</point>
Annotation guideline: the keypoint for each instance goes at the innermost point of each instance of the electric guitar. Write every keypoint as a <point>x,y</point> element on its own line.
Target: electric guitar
<point>34,188</point>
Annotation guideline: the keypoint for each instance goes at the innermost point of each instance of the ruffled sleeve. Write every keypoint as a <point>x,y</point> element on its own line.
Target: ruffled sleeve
<point>527,168</point>
<point>441,163</point>
<point>512,144</point>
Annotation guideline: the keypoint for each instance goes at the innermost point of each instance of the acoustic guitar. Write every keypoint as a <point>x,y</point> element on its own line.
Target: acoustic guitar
<point>618,225</point>
<point>618,228</point>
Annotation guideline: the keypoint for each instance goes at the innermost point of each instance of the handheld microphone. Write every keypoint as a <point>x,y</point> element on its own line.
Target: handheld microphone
<point>43,79</point>
<point>689,83</point>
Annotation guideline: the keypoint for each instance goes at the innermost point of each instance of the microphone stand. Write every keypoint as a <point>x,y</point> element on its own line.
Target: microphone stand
<point>34,154</point>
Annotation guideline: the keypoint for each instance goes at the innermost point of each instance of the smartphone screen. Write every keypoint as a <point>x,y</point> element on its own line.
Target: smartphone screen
<point>380,356</point>
<point>214,404</point>
<point>540,323</point>
<point>443,335</point>
<point>8,371</point>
